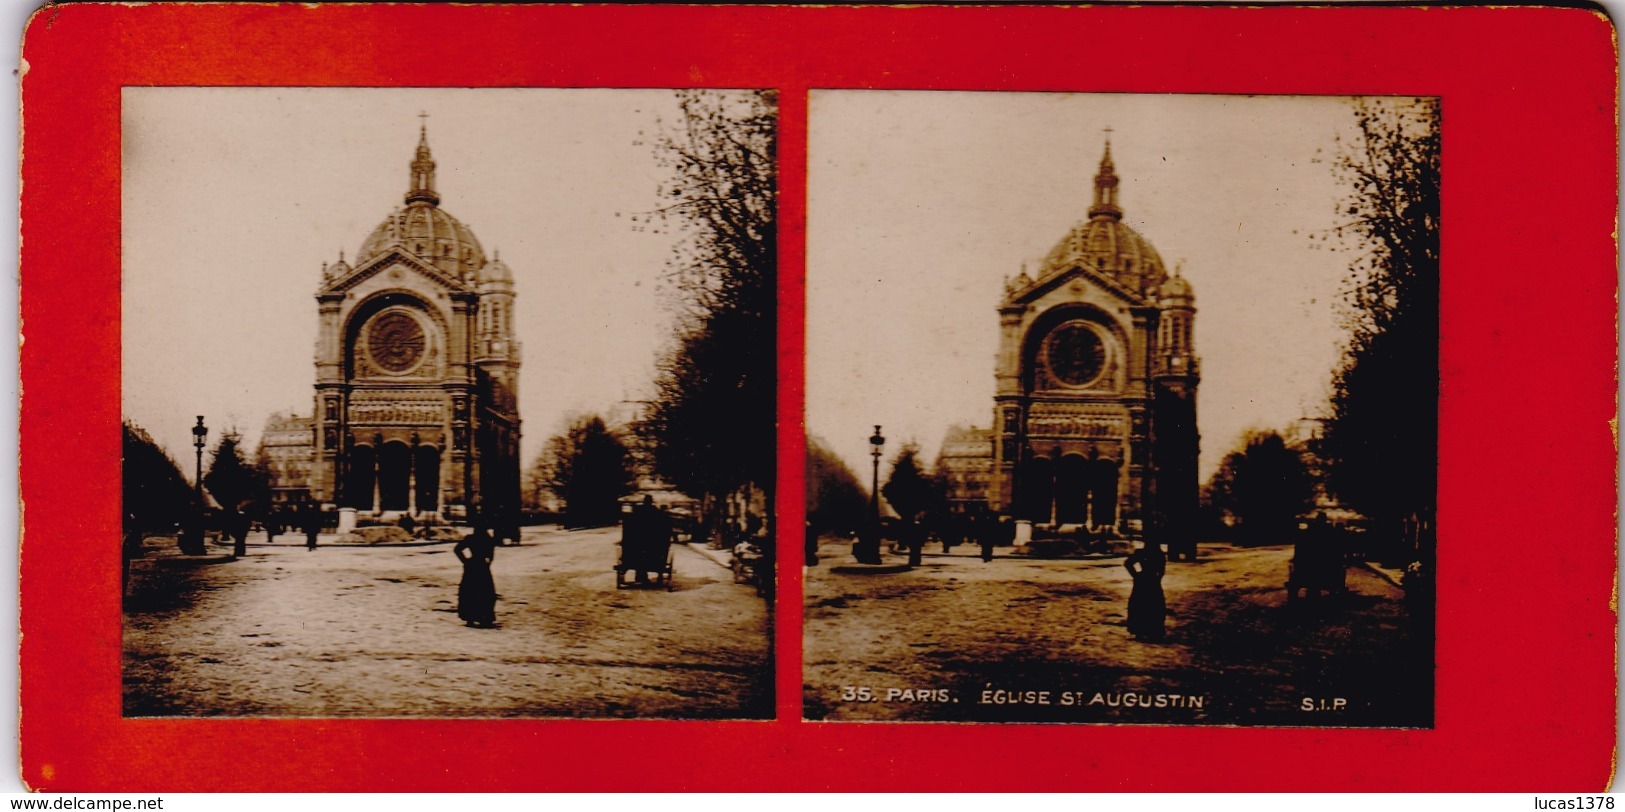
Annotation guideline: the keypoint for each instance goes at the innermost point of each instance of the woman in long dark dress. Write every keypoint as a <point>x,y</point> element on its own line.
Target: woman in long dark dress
<point>477,594</point>
<point>1146,608</point>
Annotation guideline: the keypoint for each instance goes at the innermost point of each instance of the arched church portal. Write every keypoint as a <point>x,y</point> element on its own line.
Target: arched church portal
<point>395,476</point>
<point>427,472</point>
<point>1075,490</point>
<point>363,468</point>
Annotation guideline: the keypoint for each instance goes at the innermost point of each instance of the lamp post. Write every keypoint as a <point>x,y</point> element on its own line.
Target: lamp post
<point>199,433</point>
<point>192,532</point>
<point>877,442</point>
<point>867,550</point>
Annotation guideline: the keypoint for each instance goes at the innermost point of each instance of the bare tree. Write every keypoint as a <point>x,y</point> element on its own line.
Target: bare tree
<point>710,429</point>
<point>1380,444</point>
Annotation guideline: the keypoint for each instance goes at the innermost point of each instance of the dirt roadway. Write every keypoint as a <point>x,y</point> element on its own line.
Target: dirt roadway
<point>963,631</point>
<point>355,631</point>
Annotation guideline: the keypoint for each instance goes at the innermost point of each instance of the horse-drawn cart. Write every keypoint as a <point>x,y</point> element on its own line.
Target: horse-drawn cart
<point>1318,563</point>
<point>645,548</point>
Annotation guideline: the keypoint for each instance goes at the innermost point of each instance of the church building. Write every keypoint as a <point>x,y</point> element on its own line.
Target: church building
<point>417,369</point>
<point>1096,375</point>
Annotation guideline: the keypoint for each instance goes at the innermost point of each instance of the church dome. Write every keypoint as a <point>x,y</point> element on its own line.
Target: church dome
<point>423,229</point>
<point>1104,244</point>
<point>1177,288</point>
<point>431,234</point>
<point>338,269</point>
<point>496,274</point>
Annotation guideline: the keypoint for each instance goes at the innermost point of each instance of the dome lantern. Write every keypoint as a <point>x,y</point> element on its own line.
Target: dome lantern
<point>1104,244</point>
<point>422,186</point>
<point>1106,186</point>
<point>425,230</point>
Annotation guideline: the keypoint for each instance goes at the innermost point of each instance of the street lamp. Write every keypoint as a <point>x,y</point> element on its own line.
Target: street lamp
<point>199,432</point>
<point>867,550</point>
<point>874,478</point>
<point>191,542</point>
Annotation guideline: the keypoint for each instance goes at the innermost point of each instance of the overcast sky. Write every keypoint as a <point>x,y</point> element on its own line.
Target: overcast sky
<point>234,197</point>
<point>921,203</point>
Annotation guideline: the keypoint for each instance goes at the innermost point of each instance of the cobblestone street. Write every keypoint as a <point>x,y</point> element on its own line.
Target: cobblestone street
<point>373,631</point>
<point>957,632</point>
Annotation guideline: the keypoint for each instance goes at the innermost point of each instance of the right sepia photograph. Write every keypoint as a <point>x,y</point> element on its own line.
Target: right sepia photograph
<point>1121,408</point>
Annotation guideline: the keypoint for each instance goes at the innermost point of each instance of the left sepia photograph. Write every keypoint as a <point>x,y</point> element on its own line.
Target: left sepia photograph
<point>381,460</point>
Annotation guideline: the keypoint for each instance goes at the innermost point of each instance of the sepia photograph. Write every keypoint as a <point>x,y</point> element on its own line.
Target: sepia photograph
<point>381,460</point>
<point>438,376</point>
<point>1121,408</point>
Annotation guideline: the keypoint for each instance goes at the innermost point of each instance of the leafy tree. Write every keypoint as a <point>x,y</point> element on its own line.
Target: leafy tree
<point>836,499</point>
<point>1265,485</point>
<point>533,488</point>
<point>234,482</point>
<point>156,494</point>
<point>710,430</point>
<point>589,469</point>
<point>1380,443</point>
<point>908,489</point>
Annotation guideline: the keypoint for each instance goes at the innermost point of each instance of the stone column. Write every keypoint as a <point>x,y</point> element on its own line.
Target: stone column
<point>412,482</point>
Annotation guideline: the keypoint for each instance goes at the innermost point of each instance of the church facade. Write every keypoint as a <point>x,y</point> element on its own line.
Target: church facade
<point>417,368</point>
<point>1096,376</point>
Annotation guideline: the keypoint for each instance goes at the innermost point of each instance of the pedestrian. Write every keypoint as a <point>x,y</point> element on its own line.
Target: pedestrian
<point>477,593</point>
<point>131,548</point>
<point>637,538</point>
<point>190,541</point>
<point>237,525</point>
<point>987,536</point>
<point>914,536</point>
<point>1147,611</point>
<point>312,520</point>
<point>273,525</point>
<point>809,548</point>
<point>655,530</point>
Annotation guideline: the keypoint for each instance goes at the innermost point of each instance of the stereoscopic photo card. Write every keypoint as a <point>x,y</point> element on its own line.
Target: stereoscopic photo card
<point>448,398</point>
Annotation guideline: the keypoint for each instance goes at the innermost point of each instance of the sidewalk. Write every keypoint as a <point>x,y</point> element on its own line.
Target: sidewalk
<point>1393,575</point>
<point>722,558</point>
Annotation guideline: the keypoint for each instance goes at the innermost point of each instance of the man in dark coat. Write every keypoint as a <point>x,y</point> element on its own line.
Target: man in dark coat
<point>312,521</point>
<point>914,535</point>
<point>237,524</point>
<point>191,538</point>
<point>986,536</point>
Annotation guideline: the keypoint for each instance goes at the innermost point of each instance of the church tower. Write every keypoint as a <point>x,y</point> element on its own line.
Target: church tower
<point>1175,374</point>
<point>1094,406</point>
<point>417,368</point>
<point>496,357</point>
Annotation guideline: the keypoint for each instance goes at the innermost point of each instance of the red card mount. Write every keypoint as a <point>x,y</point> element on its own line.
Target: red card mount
<point>1525,651</point>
